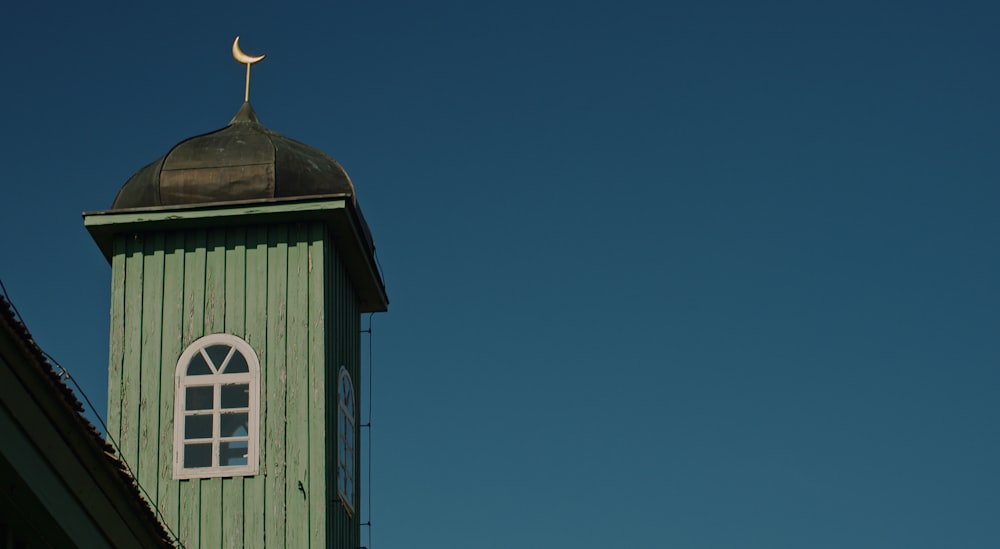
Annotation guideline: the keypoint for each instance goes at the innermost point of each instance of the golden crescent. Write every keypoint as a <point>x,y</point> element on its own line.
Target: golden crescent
<point>241,57</point>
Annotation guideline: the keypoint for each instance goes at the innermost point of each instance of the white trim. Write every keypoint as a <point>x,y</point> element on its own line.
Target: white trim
<point>182,381</point>
<point>347,411</point>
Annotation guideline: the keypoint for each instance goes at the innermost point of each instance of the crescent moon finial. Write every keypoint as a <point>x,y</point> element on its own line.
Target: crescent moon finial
<point>247,60</point>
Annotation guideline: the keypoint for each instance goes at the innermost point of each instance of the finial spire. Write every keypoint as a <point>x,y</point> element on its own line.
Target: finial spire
<point>247,60</point>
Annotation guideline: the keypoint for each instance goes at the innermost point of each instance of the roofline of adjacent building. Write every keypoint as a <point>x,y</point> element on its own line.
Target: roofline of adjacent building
<point>62,410</point>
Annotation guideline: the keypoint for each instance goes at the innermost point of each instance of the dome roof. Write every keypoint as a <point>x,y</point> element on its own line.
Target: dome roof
<point>243,161</point>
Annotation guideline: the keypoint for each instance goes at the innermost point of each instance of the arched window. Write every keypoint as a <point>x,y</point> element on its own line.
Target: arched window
<point>216,409</point>
<point>345,439</point>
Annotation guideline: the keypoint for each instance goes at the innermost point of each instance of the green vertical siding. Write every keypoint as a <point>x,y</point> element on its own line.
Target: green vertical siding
<point>256,336</point>
<point>343,527</point>
<point>274,372</point>
<point>212,509</point>
<point>235,323</point>
<point>296,403</point>
<point>149,384</point>
<point>193,327</point>
<point>171,346</point>
<point>318,371</point>
<point>116,351</point>
<point>283,290</point>
<point>128,440</point>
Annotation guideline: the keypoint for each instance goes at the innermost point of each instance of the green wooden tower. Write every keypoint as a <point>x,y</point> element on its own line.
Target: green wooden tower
<point>241,265</point>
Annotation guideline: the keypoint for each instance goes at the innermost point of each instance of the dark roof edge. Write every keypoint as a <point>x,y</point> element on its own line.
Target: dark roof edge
<point>98,451</point>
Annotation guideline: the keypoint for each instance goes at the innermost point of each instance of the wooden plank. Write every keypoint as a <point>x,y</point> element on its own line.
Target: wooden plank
<point>232,488</point>
<point>170,351</point>
<point>235,321</point>
<point>344,522</point>
<point>128,441</point>
<point>297,400</point>
<point>351,317</point>
<point>215,318</point>
<point>317,388</point>
<point>215,282</point>
<point>277,280</point>
<point>146,470</point>
<point>189,491</point>
<point>116,351</point>
<point>332,533</point>
<point>256,336</point>
<point>194,286</point>
<point>335,289</point>
<point>296,209</point>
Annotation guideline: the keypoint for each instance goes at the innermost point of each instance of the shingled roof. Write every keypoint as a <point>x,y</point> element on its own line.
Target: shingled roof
<point>117,495</point>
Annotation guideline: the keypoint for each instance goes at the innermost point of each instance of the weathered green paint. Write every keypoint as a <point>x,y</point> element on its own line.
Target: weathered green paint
<point>347,231</point>
<point>268,211</point>
<point>193,327</point>
<point>274,426</point>
<point>318,371</point>
<point>128,440</point>
<point>346,326</point>
<point>172,326</point>
<point>282,288</point>
<point>116,353</point>
<point>235,323</point>
<point>212,508</point>
<point>296,403</point>
<point>256,336</point>
<point>150,355</point>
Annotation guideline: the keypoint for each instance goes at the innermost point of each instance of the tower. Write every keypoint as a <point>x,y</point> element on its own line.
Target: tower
<point>241,264</point>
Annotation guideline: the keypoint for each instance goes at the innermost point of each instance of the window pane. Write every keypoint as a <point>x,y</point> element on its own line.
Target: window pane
<point>213,407</point>
<point>197,455</point>
<point>233,453</point>
<point>198,366</point>
<point>199,398</point>
<point>217,353</point>
<point>237,364</point>
<point>236,396</point>
<point>197,427</point>
<point>235,425</point>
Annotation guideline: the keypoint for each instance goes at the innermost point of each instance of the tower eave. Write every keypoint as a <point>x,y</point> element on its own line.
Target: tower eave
<point>347,228</point>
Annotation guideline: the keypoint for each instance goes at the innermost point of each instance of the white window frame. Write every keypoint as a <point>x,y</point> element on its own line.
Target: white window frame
<point>216,380</point>
<point>346,473</point>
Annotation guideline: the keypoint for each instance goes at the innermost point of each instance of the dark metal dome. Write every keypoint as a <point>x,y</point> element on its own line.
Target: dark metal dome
<point>243,161</point>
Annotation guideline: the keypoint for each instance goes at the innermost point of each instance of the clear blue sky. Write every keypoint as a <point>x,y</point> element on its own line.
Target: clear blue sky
<point>707,275</point>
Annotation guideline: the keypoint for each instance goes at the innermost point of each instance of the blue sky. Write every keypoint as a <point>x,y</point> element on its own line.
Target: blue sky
<point>704,275</point>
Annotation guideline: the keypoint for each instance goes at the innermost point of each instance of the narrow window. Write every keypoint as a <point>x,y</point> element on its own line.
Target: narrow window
<point>345,439</point>
<point>216,409</point>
